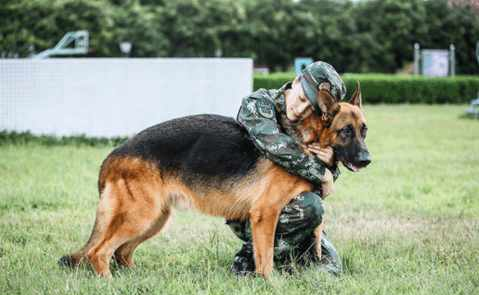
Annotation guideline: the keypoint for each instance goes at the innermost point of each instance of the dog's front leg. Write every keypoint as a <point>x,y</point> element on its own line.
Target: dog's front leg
<point>264,213</point>
<point>263,222</point>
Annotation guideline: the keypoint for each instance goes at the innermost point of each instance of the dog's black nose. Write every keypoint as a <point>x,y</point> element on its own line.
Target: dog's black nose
<point>364,163</point>
<point>364,158</point>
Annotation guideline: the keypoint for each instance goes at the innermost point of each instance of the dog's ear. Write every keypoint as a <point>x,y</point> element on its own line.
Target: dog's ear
<point>327,103</point>
<point>356,99</point>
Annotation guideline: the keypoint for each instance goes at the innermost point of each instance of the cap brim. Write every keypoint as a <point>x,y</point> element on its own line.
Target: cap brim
<point>310,92</point>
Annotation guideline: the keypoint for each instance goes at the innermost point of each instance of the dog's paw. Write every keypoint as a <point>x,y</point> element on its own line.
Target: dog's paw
<point>243,266</point>
<point>67,261</point>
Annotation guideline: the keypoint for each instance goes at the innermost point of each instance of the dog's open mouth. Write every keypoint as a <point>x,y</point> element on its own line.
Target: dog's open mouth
<point>351,167</point>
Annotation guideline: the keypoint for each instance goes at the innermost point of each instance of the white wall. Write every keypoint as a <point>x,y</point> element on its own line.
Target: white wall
<point>116,97</point>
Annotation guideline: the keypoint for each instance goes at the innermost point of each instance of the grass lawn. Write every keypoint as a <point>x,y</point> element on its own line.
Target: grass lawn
<point>409,223</point>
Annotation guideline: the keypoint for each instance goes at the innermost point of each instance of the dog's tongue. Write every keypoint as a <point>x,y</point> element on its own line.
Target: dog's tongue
<point>352,167</point>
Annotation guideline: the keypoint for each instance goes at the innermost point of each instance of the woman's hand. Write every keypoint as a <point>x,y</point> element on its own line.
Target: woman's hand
<point>326,155</point>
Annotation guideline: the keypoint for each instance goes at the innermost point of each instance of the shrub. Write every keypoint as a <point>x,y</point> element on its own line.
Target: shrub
<point>381,88</point>
<point>19,138</point>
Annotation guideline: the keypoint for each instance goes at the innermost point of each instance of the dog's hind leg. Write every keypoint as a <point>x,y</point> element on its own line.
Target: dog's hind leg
<point>134,208</point>
<point>102,220</point>
<point>124,254</point>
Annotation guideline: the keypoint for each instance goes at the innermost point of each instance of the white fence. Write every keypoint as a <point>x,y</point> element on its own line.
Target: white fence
<point>116,97</point>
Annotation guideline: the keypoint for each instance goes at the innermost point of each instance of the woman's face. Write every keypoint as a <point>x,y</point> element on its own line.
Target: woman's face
<point>298,106</point>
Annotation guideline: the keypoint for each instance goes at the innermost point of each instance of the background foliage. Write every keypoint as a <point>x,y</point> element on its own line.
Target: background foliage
<point>385,88</point>
<point>364,36</point>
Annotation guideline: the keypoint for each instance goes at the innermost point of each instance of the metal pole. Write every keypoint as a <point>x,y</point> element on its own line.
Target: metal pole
<point>477,51</point>
<point>477,58</point>
<point>452,60</point>
<point>417,52</point>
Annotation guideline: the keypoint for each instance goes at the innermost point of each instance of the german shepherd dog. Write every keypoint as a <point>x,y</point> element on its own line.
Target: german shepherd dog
<point>209,162</point>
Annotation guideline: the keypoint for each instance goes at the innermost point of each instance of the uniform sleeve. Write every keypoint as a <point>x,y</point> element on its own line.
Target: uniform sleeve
<point>258,116</point>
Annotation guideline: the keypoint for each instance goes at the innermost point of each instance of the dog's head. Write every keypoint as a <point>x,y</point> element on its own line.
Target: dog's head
<point>345,129</point>
<point>342,126</point>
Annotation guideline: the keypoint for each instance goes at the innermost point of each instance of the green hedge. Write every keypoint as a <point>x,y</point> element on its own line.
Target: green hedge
<point>21,138</point>
<point>381,88</point>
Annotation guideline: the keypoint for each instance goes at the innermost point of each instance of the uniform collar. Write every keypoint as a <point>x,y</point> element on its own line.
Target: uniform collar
<point>279,98</point>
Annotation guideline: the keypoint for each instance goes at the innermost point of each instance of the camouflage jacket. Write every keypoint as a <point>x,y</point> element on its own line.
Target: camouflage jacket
<point>260,115</point>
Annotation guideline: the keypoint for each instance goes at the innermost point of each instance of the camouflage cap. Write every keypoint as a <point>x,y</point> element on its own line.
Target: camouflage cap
<point>315,74</point>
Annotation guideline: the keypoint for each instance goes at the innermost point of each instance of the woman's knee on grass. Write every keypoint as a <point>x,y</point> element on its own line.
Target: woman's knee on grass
<point>301,216</point>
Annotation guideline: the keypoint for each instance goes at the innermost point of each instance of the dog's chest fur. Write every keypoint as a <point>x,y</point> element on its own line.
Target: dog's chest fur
<point>305,132</point>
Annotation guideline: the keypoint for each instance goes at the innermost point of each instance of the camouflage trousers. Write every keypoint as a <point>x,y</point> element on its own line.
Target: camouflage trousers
<point>294,239</point>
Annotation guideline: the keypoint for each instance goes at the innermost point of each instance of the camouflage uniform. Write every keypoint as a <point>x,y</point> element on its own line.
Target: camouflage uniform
<point>294,239</point>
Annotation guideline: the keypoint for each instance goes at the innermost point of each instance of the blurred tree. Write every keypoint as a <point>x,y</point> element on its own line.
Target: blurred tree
<point>15,39</point>
<point>201,28</point>
<point>267,29</point>
<point>72,15</point>
<point>136,24</point>
<point>394,26</point>
<point>40,24</point>
<point>334,32</point>
<point>359,36</point>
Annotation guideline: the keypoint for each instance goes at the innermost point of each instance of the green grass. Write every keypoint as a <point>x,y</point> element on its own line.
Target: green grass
<point>408,224</point>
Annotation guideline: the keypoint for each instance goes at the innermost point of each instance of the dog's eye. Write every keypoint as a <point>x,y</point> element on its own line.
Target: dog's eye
<point>364,131</point>
<point>346,131</point>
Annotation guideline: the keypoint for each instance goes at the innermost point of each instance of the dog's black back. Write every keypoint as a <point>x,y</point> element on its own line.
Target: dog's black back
<point>202,148</point>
